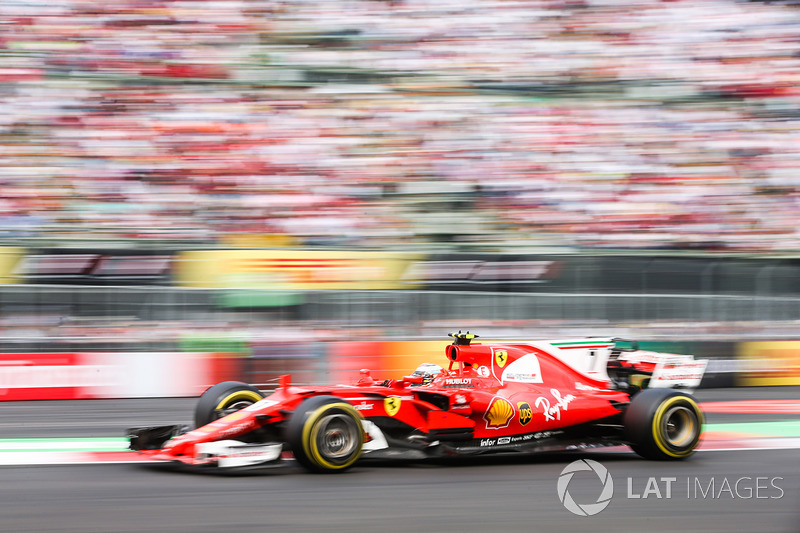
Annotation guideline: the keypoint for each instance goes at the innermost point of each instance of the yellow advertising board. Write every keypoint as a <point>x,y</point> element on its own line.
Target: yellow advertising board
<point>292,269</point>
<point>10,257</point>
<point>770,363</point>
<point>385,359</point>
<point>401,358</point>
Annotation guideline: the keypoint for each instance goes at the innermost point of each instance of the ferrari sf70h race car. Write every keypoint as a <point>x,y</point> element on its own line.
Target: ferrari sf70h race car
<point>510,397</point>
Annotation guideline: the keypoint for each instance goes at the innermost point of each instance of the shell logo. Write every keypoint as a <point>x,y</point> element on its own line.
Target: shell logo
<point>498,414</point>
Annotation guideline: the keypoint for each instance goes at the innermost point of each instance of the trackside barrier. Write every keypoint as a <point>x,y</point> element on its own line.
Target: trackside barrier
<point>85,375</point>
<point>394,359</point>
<point>72,376</point>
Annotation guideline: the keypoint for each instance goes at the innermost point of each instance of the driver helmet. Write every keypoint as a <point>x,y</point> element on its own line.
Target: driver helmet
<point>428,371</point>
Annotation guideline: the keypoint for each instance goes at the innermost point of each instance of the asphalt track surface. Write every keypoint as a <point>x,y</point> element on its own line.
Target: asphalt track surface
<point>508,494</point>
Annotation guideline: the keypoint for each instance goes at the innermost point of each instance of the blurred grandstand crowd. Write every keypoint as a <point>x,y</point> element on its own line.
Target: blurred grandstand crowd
<point>393,122</point>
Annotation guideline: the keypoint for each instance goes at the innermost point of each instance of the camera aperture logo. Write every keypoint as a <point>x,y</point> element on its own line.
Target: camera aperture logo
<point>700,489</point>
<point>585,509</point>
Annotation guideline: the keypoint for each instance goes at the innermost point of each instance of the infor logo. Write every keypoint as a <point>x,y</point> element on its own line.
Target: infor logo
<point>586,509</point>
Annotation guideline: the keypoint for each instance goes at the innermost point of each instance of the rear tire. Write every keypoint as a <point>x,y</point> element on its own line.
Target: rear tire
<point>223,399</point>
<point>663,424</point>
<point>325,434</point>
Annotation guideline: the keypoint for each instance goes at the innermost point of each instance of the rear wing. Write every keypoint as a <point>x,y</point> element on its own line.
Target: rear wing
<point>621,362</point>
<point>666,370</point>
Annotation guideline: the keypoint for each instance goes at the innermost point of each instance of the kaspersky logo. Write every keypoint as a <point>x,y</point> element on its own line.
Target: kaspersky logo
<point>585,509</point>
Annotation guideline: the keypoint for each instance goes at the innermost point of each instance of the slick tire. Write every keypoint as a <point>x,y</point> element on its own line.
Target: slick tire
<point>223,399</point>
<point>663,424</point>
<point>325,434</point>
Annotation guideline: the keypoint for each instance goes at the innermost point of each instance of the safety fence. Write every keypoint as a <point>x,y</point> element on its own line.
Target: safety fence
<point>56,304</point>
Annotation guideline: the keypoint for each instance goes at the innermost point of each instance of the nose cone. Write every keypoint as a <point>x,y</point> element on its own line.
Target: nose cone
<point>177,449</point>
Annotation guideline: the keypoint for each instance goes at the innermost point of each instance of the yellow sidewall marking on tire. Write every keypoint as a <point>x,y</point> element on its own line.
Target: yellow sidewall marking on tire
<point>310,432</point>
<point>657,419</point>
<point>239,395</point>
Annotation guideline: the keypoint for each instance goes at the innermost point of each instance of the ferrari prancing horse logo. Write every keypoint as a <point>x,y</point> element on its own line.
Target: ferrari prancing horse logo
<point>500,357</point>
<point>391,404</point>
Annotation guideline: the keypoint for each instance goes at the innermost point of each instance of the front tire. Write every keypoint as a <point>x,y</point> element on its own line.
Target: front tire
<point>325,434</point>
<point>663,424</point>
<point>223,399</point>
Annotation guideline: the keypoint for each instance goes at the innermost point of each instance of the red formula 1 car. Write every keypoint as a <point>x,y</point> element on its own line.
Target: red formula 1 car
<point>524,397</point>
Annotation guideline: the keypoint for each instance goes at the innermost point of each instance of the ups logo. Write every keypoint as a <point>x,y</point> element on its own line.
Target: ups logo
<point>525,413</point>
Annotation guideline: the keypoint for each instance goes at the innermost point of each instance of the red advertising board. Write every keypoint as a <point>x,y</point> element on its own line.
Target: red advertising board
<point>72,376</point>
<point>44,376</point>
